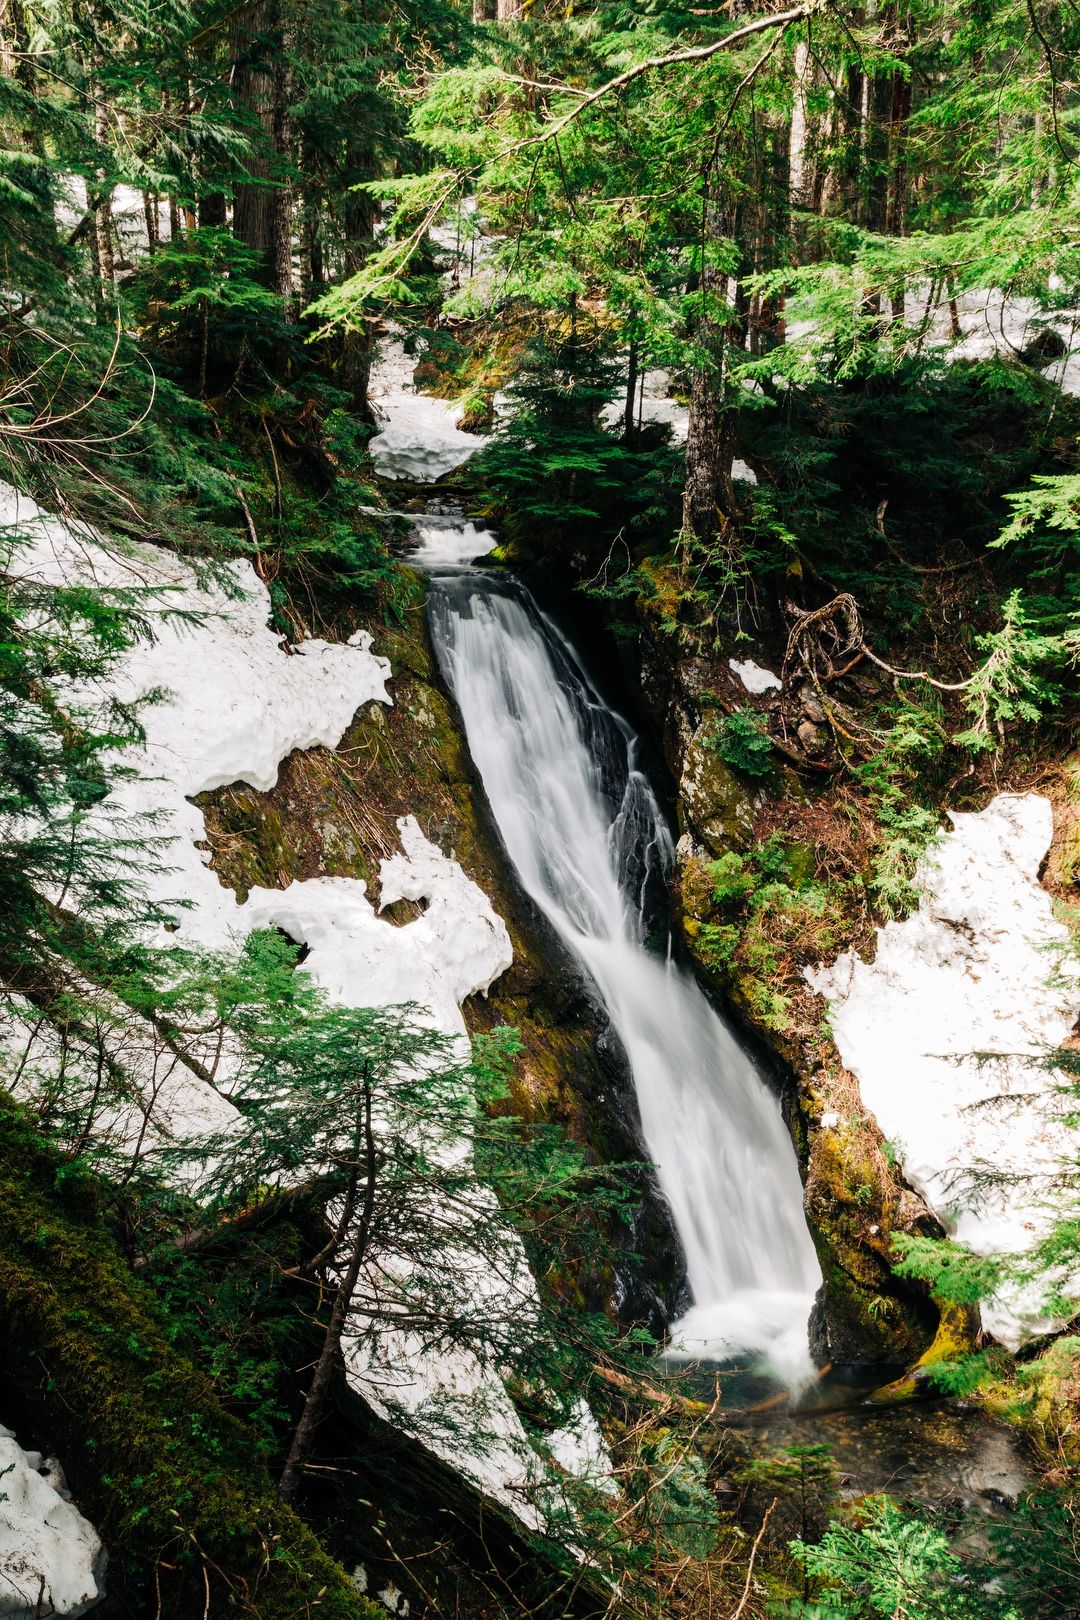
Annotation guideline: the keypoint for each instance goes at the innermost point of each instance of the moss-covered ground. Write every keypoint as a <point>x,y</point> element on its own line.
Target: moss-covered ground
<point>175,1484</point>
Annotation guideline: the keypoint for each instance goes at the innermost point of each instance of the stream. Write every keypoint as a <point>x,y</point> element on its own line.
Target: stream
<point>588,841</point>
<point>586,836</point>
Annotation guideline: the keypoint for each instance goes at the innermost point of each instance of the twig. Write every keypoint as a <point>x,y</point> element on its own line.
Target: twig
<point>744,1600</point>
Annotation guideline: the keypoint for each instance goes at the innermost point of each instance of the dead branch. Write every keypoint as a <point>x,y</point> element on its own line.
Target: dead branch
<point>744,1600</point>
<point>822,636</point>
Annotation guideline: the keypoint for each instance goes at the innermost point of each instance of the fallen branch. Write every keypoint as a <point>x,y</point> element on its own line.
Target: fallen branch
<point>824,634</point>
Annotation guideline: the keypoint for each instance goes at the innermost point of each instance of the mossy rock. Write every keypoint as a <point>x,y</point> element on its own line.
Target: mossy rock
<point>863,1313</point>
<point>715,805</point>
<point>478,415</point>
<point>957,1334</point>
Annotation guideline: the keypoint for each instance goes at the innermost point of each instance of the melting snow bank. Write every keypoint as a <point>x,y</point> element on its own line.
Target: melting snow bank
<point>236,701</point>
<point>51,1558</point>
<point>754,677</point>
<point>421,440</point>
<point>945,1030</point>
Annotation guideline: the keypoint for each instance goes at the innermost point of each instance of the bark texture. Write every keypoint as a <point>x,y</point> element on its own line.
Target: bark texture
<point>262,206</point>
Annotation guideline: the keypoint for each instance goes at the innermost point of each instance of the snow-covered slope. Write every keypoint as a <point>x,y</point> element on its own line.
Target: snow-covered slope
<point>992,322</point>
<point>421,439</point>
<point>237,701</point>
<point>946,1028</point>
<point>51,1558</point>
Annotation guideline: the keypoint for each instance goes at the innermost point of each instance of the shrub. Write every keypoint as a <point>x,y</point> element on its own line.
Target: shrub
<point>743,742</point>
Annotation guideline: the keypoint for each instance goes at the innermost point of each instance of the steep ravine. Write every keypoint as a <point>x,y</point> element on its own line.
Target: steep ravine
<point>334,813</point>
<point>862,1314</point>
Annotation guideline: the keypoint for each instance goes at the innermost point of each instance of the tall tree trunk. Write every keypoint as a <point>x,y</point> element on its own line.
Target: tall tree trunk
<point>253,88</point>
<point>262,206</point>
<point>899,113</point>
<point>800,168</point>
<point>358,228</point>
<point>507,10</point>
<point>330,1354</point>
<point>150,215</point>
<point>312,262</point>
<point>103,221</point>
<point>280,137</point>
<point>483,11</point>
<point>708,494</point>
<point>631,392</point>
<point>212,211</point>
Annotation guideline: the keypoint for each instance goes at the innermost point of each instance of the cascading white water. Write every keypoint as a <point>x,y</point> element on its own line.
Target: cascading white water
<point>584,832</point>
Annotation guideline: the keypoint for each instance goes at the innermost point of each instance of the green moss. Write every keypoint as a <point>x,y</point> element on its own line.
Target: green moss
<point>957,1334</point>
<point>174,1483</point>
<point>714,804</point>
<point>852,1208</point>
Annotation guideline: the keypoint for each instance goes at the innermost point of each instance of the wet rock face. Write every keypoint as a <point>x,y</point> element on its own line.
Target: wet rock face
<point>853,1199</point>
<point>651,1290</point>
<point>862,1312</point>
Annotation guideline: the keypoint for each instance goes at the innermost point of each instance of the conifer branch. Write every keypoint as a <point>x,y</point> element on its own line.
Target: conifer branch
<point>694,53</point>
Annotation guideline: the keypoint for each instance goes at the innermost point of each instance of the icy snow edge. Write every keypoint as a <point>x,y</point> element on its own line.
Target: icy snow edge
<point>51,1558</point>
<point>982,967</point>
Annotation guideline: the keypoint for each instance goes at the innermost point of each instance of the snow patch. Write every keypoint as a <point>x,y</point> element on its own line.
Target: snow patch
<point>455,949</point>
<point>421,440</point>
<point>946,1028</point>
<point>580,1449</point>
<point>992,322</point>
<point>654,404</point>
<point>755,677</point>
<point>238,701</point>
<point>51,1558</point>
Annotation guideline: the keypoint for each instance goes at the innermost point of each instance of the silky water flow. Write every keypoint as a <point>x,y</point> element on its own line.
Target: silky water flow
<point>585,833</point>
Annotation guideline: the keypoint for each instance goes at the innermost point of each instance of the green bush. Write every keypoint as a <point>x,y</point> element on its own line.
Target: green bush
<point>743,742</point>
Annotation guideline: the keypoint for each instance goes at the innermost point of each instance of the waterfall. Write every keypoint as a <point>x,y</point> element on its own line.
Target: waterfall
<point>586,836</point>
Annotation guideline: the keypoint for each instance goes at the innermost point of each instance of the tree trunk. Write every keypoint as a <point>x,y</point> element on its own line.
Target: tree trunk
<point>358,228</point>
<point>212,211</point>
<point>312,264</point>
<point>103,222</point>
<point>708,494</point>
<point>800,169</point>
<point>507,10</point>
<point>631,392</point>
<point>282,196</point>
<point>150,215</point>
<point>900,112</point>
<point>483,11</point>
<point>304,1438</point>
<point>262,208</point>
